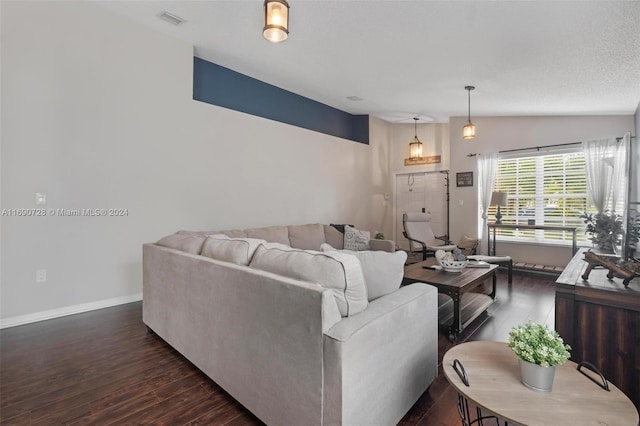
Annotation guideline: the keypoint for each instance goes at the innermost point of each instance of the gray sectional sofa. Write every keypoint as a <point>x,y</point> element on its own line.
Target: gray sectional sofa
<point>291,332</point>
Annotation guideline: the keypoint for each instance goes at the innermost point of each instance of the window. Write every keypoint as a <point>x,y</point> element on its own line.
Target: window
<point>549,189</point>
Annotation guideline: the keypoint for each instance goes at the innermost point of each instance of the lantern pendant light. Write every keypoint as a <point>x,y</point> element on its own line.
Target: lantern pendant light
<point>469,129</point>
<point>276,20</point>
<point>415,147</point>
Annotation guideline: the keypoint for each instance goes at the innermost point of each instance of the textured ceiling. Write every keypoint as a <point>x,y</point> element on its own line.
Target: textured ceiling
<point>408,58</point>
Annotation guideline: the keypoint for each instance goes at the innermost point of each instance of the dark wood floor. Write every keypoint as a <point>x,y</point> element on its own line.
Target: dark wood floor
<point>102,367</point>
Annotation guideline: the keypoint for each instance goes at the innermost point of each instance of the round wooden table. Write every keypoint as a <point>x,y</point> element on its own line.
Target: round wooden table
<point>494,385</point>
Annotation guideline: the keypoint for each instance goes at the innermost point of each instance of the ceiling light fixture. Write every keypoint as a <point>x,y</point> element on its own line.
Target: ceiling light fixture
<point>415,150</point>
<point>415,147</point>
<point>469,129</point>
<point>276,20</point>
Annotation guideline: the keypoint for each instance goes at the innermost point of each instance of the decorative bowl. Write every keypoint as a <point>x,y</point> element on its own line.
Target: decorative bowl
<point>452,265</point>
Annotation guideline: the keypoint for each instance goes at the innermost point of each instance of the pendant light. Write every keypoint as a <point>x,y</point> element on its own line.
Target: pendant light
<point>469,129</point>
<point>415,147</point>
<point>276,20</point>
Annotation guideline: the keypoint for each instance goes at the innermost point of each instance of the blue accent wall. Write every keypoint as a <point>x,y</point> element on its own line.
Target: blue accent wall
<point>217,85</point>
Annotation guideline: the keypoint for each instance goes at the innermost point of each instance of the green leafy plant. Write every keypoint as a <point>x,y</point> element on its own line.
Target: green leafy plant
<point>634,230</point>
<point>604,229</point>
<point>379,236</point>
<point>538,344</point>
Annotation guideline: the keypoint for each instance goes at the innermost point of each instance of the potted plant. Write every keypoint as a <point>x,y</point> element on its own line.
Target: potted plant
<point>604,230</point>
<point>539,350</point>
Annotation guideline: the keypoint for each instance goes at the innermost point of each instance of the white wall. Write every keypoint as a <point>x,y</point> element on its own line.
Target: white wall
<point>502,133</point>
<point>97,113</point>
<point>381,177</point>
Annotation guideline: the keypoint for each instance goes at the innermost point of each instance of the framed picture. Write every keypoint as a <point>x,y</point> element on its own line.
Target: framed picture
<point>464,179</point>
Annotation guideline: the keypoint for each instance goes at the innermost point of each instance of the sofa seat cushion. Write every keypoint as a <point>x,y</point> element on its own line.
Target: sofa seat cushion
<point>306,237</point>
<point>339,272</point>
<point>383,271</point>
<point>234,250</point>
<point>272,234</point>
<point>187,241</point>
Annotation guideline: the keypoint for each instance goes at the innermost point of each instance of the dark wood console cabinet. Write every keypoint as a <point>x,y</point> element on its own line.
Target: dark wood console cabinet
<point>600,319</point>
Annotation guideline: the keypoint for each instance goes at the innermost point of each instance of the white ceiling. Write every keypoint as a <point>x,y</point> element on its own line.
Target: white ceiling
<point>408,58</point>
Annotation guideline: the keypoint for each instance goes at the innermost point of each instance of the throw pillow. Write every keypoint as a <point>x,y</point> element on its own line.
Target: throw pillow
<point>383,271</point>
<point>339,272</point>
<point>273,234</point>
<point>234,250</point>
<point>467,244</point>
<point>186,241</point>
<point>306,237</point>
<point>355,239</point>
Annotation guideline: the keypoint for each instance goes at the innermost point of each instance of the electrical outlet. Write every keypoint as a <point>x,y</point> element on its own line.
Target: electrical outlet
<point>41,275</point>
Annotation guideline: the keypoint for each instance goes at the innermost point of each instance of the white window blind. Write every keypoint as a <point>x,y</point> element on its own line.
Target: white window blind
<point>550,189</point>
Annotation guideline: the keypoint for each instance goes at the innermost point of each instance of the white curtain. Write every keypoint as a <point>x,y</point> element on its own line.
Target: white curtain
<point>487,168</point>
<point>606,163</point>
<point>621,176</point>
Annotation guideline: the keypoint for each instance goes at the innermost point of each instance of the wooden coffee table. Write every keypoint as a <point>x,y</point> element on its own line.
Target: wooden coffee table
<point>493,384</point>
<point>457,285</point>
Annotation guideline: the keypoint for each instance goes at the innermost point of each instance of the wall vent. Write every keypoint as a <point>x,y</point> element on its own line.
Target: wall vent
<point>171,18</point>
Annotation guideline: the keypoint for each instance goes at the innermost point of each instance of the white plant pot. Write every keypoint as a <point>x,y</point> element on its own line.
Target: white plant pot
<point>536,377</point>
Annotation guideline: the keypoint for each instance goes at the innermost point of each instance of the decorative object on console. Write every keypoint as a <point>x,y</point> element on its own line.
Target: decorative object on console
<point>469,129</point>
<point>617,268</point>
<point>539,350</point>
<point>498,198</point>
<point>379,236</point>
<point>276,20</point>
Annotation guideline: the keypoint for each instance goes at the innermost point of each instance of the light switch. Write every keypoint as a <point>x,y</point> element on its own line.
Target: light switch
<point>41,198</point>
<point>460,203</point>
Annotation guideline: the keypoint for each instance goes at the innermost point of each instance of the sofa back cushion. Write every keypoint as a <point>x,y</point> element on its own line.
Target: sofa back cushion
<point>306,237</point>
<point>186,241</point>
<point>333,237</point>
<point>336,271</point>
<point>233,233</point>
<point>272,234</point>
<point>234,250</point>
<point>383,271</point>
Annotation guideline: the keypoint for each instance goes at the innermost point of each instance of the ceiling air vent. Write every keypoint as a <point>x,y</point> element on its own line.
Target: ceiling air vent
<point>171,18</point>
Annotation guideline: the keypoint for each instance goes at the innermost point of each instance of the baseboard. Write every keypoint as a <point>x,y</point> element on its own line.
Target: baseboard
<point>68,310</point>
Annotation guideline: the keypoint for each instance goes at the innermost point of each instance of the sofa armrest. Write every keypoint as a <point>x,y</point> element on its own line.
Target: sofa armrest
<point>382,245</point>
<point>377,363</point>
